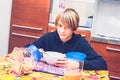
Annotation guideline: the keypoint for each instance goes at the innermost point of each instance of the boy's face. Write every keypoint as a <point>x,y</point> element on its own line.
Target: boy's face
<point>65,32</point>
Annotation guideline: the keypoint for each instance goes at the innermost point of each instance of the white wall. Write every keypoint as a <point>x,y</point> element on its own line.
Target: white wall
<point>5,13</point>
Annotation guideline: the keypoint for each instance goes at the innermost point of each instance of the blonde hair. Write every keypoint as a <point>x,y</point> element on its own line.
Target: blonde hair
<point>68,17</point>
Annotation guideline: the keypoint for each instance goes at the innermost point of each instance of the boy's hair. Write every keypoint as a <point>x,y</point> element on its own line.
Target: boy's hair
<point>68,17</point>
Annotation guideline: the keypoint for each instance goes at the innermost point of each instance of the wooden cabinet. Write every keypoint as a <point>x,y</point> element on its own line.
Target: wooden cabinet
<point>84,33</point>
<point>51,28</point>
<point>111,53</point>
<point>29,20</point>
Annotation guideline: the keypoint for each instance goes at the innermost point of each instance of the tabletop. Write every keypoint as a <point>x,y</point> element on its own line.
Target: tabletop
<point>39,75</point>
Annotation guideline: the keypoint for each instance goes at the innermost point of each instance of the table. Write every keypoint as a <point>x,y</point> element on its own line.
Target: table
<point>86,75</point>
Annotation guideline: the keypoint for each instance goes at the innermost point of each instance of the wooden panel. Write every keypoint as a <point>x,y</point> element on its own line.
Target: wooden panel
<point>111,54</point>
<point>33,13</point>
<point>51,28</point>
<point>20,41</point>
<point>28,30</point>
<point>84,33</point>
<point>29,21</point>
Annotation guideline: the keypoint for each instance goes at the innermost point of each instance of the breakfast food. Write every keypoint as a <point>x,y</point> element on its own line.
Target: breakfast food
<point>16,54</point>
<point>19,63</point>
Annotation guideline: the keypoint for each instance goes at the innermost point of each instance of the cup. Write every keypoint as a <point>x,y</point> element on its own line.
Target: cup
<point>73,73</point>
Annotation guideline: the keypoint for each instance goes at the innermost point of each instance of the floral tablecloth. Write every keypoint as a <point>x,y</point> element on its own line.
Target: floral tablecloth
<point>34,75</point>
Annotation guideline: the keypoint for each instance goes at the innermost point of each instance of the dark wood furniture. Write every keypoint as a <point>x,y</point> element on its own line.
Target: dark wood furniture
<point>29,20</point>
<point>111,53</point>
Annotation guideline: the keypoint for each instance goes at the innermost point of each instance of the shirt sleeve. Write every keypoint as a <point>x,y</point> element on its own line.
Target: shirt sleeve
<point>93,61</point>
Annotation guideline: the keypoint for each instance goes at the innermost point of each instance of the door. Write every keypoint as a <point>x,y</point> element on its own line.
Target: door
<point>29,20</point>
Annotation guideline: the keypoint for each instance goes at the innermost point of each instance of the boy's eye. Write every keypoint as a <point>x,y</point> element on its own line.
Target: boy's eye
<point>59,25</point>
<point>66,27</point>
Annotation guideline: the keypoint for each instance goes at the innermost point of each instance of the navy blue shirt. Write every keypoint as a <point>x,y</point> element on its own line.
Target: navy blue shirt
<point>51,42</point>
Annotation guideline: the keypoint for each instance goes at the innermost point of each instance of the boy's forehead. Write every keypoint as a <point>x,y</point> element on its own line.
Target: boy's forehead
<point>62,22</point>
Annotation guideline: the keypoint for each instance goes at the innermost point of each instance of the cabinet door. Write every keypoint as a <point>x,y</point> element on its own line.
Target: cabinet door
<point>111,53</point>
<point>84,33</point>
<point>29,20</point>
<point>51,28</point>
